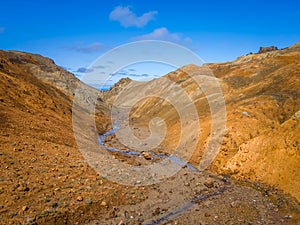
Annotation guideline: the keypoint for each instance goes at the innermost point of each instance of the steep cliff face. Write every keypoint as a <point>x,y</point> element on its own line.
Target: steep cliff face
<point>262,95</point>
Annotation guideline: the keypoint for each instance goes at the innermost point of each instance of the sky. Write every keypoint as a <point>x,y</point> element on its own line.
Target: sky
<point>75,33</point>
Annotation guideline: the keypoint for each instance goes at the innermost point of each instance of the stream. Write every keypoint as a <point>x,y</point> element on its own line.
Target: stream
<point>172,158</point>
<point>184,207</point>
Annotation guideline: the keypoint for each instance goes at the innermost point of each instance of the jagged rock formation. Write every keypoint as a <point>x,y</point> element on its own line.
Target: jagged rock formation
<point>267,49</point>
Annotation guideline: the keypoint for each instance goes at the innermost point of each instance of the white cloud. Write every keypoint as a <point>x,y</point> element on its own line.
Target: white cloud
<point>165,35</point>
<point>83,70</point>
<point>127,18</point>
<point>2,29</point>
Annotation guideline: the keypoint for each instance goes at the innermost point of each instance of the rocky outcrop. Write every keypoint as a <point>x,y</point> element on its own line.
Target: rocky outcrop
<point>267,49</point>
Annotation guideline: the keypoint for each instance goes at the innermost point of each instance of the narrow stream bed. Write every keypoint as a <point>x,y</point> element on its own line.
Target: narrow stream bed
<point>192,196</point>
<point>172,158</point>
<point>176,211</point>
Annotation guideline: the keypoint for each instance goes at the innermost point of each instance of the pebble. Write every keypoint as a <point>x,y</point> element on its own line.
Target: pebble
<point>233,204</point>
<point>103,203</point>
<point>25,208</point>
<point>207,215</point>
<point>22,188</point>
<point>147,156</point>
<point>79,198</point>
<point>156,211</point>
<point>209,183</point>
<point>246,114</point>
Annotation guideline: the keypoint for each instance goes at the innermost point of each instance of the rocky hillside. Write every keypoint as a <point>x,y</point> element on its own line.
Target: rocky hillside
<point>262,140</point>
<point>43,176</point>
<point>110,95</point>
<point>262,96</point>
<point>46,71</point>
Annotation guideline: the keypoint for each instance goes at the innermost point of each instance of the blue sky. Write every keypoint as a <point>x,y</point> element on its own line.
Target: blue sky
<point>75,33</point>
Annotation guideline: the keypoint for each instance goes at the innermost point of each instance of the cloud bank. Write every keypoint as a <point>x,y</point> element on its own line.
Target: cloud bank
<point>127,18</point>
<point>164,34</point>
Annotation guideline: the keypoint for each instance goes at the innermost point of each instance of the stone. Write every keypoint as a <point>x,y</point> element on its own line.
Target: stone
<point>103,203</point>
<point>80,198</point>
<point>209,183</point>
<point>156,211</point>
<point>207,214</point>
<point>233,204</point>
<point>25,208</point>
<point>246,114</point>
<point>147,156</point>
<point>138,182</point>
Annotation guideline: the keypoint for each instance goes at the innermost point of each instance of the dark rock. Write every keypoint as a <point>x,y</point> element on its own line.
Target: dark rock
<point>147,156</point>
<point>26,189</point>
<point>207,214</point>
<point>267,49</point>
<point>156,211</point>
